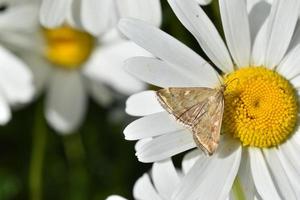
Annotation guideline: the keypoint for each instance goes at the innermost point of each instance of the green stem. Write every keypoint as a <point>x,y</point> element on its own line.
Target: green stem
<point>237,190</point>
<point>78,175</point>
<point>39,137</point>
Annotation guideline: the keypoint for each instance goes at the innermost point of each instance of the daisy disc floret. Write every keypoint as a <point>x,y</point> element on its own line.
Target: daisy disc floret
<point>68,47</point>
<point>260,107</point>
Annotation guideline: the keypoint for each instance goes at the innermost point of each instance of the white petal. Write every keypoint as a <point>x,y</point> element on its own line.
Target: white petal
<point>195,20</point>
<point>296,37</point>
<point>40,68</point>
<point>54,12</point>
<point>97,15</point>
<point>260,45</point>
<point>21,17</point>
<point>111,37</point>
<point>261,175</point>
<point>212,177</point>
<point>100,93</point>
<point>5,114</point>
<point>143,103</point>
<point>165,178</point>
<point>106,65</point>
<point>165,146</point>
<point>296,137</point>
<point>66,101</point>
<point>291,171</point>
<point>280,177</point>
<point>289,67</point>
<point>18,41</point>
<point>16,80</point>
<point>257,16</point>
<point>257,197</point>
<point>283,16</point>
<point>145,10</point>
<point>296,82</point>
<point>251,4</point>
<point>244,177</point>
<point>115,197</point>
<point>236,28</point>
<point>204,2</point>
<point>141,143</point>
<point>290,151</point>
<point>160,73</point>
<point>191,158</point>
<point>73,17</point>
<point>168,49</point>
<point>143,189</point>
<point>151,125</point>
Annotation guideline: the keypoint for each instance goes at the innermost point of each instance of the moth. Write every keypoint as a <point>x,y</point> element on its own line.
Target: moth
<point>198,108</point>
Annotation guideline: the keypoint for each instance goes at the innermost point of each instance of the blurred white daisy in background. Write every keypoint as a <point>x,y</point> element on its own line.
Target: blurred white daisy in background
<point>16,81</point>
<point>261,108</point>
<point>16,84</point>
<point>97,16</point>
<point>73,64</point>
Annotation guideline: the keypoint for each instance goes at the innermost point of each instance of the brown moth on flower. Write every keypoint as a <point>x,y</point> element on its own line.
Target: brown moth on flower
<point>200,109</point>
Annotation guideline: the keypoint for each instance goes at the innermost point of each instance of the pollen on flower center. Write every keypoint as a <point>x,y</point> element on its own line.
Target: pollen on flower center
<point>67,47</point>
<point>260,107</point>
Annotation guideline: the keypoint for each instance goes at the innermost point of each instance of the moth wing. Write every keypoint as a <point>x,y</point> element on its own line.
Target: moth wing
<point>206,131</point>
<point>186,104</point>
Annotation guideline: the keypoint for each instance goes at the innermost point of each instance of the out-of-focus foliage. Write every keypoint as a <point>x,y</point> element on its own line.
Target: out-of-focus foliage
<point>91,164</point>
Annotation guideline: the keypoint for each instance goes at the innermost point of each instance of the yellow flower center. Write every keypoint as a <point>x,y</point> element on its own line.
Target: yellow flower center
<point>260,107</point>
<point>67,47</point>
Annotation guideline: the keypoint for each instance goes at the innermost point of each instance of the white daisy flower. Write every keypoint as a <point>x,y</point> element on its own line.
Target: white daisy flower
<point>261,106</point>
<point>97,16</point>
<point>159,184</point>
<point>16,82</point>
<point>74,65</point>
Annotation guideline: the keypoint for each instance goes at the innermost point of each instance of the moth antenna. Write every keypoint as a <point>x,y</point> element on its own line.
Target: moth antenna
<point>219,78</point>
<point>226,84</point>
